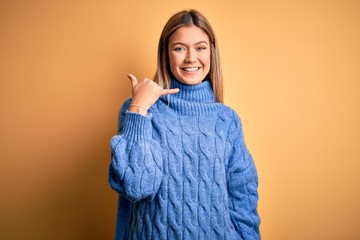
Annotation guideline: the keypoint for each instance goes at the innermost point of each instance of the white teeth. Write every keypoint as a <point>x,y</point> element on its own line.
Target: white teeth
<point>191,69</point>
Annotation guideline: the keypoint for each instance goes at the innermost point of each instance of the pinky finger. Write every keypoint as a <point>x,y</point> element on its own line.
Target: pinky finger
<point>170,91</point>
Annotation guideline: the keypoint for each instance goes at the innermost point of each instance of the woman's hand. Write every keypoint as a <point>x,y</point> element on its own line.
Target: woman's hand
<point>145,93</point>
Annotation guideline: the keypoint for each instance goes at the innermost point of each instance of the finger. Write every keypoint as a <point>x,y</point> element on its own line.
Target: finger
<point>133,79</point>
<point>170,91</point>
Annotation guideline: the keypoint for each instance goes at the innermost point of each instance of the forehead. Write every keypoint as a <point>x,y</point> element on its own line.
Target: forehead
<point>189,34</point>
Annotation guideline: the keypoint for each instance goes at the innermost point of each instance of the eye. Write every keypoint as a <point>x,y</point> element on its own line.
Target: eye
<point>201,48</point>
<point>179,49</point>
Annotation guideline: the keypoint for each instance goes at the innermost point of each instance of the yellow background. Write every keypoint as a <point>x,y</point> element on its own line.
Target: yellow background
<point>292,72</point>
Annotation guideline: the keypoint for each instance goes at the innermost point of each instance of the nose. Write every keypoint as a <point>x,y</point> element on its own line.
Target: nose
<point>191,57</point>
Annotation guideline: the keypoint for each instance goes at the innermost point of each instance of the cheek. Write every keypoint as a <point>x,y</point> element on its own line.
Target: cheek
<point>208,64</point>
<point>207,61</point>
<point>173,64</point>
<point>172,61</point>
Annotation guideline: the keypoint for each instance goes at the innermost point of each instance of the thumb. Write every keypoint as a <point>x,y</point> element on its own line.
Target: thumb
<point>133,80</point>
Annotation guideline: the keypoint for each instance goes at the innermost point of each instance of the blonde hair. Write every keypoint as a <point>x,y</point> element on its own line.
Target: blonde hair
<point>181,19</point>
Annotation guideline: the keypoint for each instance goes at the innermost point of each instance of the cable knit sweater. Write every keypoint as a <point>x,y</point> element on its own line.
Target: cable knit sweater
<point>184,171</point>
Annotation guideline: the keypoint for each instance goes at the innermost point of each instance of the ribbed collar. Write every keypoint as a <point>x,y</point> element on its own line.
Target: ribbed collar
<point>192,99</point>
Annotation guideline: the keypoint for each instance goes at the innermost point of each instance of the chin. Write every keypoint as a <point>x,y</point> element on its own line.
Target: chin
<point>190,81</point>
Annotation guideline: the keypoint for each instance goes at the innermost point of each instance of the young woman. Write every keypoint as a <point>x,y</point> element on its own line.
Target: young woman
<point>179,162</point>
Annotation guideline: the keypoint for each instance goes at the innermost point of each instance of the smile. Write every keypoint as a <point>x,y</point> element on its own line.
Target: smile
<point>191,69</point>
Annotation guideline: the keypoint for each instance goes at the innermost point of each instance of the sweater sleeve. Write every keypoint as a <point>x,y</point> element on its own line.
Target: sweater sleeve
<point>242,185</point>
<point>135,170</point>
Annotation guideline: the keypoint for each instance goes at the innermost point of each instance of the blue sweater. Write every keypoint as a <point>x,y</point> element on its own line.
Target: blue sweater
<point>184,171</point>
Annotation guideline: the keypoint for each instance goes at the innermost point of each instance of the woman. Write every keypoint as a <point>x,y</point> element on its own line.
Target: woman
<point>179,162</point>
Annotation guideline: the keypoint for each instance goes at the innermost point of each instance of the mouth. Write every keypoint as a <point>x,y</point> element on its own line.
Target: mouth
<point>190,69</point>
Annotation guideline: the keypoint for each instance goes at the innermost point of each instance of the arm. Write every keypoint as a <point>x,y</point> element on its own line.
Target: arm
<point>242,185</point>
<point>136,163</point>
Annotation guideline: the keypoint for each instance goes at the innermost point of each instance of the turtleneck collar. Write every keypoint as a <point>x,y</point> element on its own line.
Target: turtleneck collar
<point>201,92</point>
<point>191,99</point>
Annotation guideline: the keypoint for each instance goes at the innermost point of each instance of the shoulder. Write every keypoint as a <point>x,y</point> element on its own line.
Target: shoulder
<point>229,119</point>
<point>229,113</point>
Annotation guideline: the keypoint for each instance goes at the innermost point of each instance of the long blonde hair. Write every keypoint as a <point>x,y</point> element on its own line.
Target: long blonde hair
<point>181,19</point>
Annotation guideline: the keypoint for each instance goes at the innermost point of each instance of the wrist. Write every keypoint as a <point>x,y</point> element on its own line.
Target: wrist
<point>138,109</point>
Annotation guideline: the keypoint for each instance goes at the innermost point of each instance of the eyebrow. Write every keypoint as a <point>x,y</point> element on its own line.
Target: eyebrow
<point>181,43</point>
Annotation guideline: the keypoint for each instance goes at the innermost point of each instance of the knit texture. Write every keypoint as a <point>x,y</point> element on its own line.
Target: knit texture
<point>184,171</point>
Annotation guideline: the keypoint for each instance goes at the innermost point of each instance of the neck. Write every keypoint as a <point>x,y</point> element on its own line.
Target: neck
<point>201,92</point>
<point>192,99</point>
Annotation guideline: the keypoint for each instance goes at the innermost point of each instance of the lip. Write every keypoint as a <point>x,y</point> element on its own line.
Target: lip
<point>190,69</point>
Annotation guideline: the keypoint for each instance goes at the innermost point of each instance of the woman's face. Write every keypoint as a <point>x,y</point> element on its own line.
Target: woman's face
<point>189,54</point>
